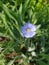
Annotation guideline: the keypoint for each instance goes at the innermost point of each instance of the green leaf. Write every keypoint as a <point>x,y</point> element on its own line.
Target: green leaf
<point>42,63</point>
<point>11,62</point>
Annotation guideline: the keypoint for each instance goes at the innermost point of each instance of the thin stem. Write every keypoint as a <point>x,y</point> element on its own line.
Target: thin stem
<point>28,42</point>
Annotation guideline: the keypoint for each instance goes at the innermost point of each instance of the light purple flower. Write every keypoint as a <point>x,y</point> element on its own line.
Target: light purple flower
<point>28,30</point>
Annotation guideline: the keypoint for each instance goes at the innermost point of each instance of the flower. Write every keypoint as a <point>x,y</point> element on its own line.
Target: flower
<point>28,30</point>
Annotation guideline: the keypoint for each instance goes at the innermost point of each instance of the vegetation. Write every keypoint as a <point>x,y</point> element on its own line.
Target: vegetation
<point>17,50</point>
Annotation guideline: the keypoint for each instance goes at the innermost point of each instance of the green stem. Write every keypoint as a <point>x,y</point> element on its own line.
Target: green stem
<point>28,42</point>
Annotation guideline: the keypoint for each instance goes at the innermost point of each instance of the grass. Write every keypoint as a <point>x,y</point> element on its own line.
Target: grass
<point>13,15</point>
